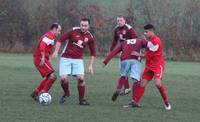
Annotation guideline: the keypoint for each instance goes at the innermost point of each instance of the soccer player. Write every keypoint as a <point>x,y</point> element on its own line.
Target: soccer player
<point>41,60</point>
<point>122,32</point>
<point>71,61</point>
<point>129,64</point>
<point>154,68</point>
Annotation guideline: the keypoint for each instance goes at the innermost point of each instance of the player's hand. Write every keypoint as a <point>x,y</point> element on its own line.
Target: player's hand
<point>90,69</point>
<point>135,53</point>
<point>54,55</point>
<point>42,62</point>
<point>144,37</point>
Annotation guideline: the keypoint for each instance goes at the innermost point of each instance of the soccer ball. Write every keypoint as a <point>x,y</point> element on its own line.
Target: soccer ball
<point>45,98</point>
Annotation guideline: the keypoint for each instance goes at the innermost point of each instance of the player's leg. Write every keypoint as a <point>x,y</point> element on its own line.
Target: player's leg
<point>64,71</point>
<point>78,71</point>
<point>163,93</point>
<point>135,75</point>
<point>81,86</point>
<point>124,83</point>
<point>146,77</point>
<point>127,88</point>
<point>124,70</point>
<point>38,89</point>
<point>44,70</point>
<point>120,84</point>
<point>51,78</point>
<point>158,82</point>
<point>64,82</point>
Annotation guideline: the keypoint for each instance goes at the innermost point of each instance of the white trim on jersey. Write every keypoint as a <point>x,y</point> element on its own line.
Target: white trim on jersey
<point>152,47</point>
<point>48,41</point>
<point>48,66</point>
<point>75,28</point>
<point>90,34</point>
<point>129,26</point>
<point>65,48</point>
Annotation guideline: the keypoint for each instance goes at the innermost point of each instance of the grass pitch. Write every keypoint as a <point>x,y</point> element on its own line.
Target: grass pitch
<point>18,78</point>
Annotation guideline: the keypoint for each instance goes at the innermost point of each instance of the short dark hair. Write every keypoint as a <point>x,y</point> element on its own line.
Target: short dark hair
<point>122,16</point>
<point>149,27</point>
<point>54,25</point>
<point>86,19</point>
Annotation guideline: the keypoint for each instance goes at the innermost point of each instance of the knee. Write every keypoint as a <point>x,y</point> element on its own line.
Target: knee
<point>64,79</point>
<point>143,83</point>
<point>158,83</point>
<point>80,78</point>
<point>53,76</point>
<point>81,81</point>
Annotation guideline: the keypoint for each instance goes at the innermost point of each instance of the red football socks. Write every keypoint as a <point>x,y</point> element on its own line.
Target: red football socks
<point>40,87</point>
<point>140,92</point>
<point>126,83</point>
<point>120,83</point>
<point>135,89</point>
<point>48,84</point>
<point>65,87</point>
<point>163,93</point>
<point>81,91</point>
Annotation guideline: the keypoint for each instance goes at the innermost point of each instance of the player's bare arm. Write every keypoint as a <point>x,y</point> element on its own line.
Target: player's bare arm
<point>90,67</point>
<point>57,48</point>
<point>42,58</point>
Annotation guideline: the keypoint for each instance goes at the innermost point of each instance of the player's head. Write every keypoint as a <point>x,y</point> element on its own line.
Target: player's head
<point>56,28</point>
<point>121,21</point>
<point>149,30</point>
<point>84,24</point>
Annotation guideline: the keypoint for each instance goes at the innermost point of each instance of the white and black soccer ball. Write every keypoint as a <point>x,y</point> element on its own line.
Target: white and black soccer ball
<point>45,98</point>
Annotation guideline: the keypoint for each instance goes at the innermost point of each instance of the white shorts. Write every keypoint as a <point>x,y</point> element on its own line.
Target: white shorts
<point>132,67</point>
<point>69,66</point>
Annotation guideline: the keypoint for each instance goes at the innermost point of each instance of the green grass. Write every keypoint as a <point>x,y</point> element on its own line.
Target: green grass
<point>18,78</point>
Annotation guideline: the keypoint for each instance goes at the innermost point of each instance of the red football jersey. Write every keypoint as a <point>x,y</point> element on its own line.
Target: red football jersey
<point>76,42</point>
<point>123,33</point>
<point>45,44</point>
<point>154,55</point>
<point>127,47</point>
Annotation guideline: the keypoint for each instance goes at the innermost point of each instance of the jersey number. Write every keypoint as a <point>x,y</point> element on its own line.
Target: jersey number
<point>131,41</point>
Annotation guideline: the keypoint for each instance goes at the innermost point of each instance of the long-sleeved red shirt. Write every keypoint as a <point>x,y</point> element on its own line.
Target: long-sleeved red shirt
<point>76,42</point>
<point>127,47</point>
<point>45,44</point>
<point>154,56</point>
<point>123,33</point>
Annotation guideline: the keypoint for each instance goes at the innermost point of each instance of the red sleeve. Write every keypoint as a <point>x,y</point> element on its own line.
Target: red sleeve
<point>65,36</point>
<point>92,47</point>
<point>112,54</point>
<point>114,41</point>
<point>42,46</point>
<point>133,33</point>
<point>155,41</point>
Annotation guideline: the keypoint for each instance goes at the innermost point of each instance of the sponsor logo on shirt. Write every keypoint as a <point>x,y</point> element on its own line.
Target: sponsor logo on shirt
<point>77,36</point>
<point>124,32</point>
<point>86,40</point>
<point>79,43</point>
